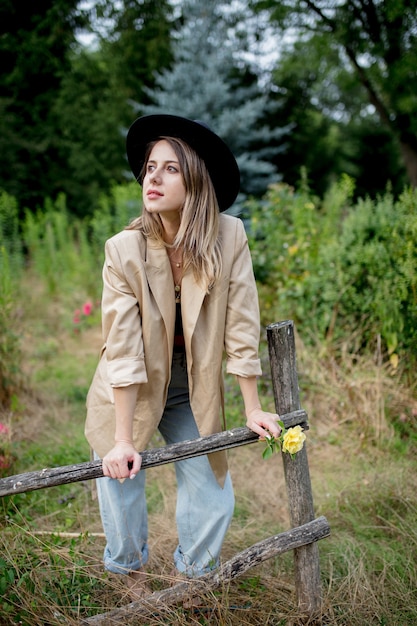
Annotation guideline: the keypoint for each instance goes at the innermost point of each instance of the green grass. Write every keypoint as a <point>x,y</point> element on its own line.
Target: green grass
<point>363,478</point>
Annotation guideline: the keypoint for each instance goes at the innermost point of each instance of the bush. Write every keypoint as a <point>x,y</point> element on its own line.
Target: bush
<point>341,272</point>
<point>51,238</point>
<point>68,253</point>
<point>11,262</point>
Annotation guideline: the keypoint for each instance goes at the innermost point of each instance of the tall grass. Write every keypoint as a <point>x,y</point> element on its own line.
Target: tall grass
<point>364,484</point>
<point>11,265</point>
<point>66,253</point>
<point>361,443</point>
<point>56,250</point>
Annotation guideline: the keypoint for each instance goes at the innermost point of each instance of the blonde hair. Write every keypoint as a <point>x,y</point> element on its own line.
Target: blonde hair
<point>198,234</point>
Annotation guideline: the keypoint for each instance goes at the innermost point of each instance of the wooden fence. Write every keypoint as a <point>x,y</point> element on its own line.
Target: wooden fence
<point>305,529</point>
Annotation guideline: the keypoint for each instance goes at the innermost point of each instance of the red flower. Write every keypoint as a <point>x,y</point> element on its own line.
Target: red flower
<point>87,308</point>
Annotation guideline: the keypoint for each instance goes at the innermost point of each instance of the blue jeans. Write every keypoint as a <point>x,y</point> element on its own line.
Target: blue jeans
<point>204,509</point>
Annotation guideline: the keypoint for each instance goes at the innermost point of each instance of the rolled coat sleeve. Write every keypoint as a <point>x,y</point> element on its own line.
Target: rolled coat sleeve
<point>242,319</point>
<point>121,320</point>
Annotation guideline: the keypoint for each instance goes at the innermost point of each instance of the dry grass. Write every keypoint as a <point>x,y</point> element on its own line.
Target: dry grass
<point>366,491</point>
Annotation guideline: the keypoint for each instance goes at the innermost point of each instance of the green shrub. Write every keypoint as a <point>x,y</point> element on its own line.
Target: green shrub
<point>10,238</point>
<point>341,272</point>
<point>51,240</point>
<point>114,213</point>
<point>67,253</point>
<point>377,270</point>
<point>11,263</point>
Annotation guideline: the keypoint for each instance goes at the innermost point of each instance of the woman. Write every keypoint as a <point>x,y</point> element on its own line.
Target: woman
<point>178,293</point>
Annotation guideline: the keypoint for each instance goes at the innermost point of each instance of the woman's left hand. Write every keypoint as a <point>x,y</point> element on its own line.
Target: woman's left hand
<point>263,423</point>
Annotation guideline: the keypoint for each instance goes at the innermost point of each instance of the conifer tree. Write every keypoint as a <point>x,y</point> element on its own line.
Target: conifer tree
<point>211,81</point>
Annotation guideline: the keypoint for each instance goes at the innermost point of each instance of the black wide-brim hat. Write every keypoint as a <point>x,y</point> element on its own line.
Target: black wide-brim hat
<point>219,160</point>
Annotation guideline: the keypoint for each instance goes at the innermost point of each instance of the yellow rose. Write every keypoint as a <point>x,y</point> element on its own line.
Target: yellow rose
<point>293,440</point>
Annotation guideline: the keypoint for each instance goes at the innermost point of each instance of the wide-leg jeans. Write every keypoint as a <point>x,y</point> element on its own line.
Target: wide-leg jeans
<point>203,511</point>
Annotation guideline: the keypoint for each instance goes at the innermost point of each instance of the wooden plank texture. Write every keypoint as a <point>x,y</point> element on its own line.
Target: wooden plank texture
<point>51,477</point>
<point>159,601</point>
<point>282,356</point>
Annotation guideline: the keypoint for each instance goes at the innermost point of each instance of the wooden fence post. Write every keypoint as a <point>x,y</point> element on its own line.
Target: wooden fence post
<point>282,355</point>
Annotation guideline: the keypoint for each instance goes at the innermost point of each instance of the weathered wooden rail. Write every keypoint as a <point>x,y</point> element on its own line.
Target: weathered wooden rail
<point>52,477</point>
<point>282,357</point>
<point>305,532</point>
<point>159,601</point>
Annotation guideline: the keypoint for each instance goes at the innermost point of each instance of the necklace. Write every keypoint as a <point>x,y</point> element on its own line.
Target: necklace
<point>174,260</point>
<point>176,264</point>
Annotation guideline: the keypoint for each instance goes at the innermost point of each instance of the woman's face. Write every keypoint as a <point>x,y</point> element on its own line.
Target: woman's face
<point>163,188</point>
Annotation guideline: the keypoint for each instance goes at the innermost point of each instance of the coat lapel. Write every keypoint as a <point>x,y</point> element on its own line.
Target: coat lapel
<point>192,297</point>
<point>158,273</point>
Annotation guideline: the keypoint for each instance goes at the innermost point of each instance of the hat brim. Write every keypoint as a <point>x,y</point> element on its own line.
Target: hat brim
<point>219,160</point>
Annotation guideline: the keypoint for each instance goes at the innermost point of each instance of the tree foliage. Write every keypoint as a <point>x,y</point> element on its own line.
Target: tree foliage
<point>379,39</point>
<point>330,130</point>
<point>136,43</point>
<point>64,109</point>
<point>35,43</point>
<point>345,272</point>
<point>94,101</point>
<point>210,80</point>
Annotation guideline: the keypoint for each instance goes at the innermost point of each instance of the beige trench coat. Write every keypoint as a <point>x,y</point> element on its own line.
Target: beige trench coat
<point>138,316</point>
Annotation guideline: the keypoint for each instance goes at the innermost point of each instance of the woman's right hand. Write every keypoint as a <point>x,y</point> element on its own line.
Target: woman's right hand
<point>123,461</point>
